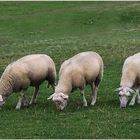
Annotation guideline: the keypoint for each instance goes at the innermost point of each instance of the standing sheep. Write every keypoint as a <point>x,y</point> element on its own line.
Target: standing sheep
<point>84,68</point>
<point>31,70</point>
<point>130,80</point>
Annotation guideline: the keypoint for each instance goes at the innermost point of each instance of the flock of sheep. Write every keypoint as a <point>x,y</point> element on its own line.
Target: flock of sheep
<point>76,72</point>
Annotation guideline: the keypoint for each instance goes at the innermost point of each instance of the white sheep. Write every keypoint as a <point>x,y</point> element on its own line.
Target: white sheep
<point>83,68</point>
<point>130,80</point>
<point>30,70</point>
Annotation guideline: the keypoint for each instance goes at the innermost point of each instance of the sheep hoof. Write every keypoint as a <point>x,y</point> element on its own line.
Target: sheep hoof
<point>93,103</point>
<point>138,101</point>
<point>32,102</point>
<point>131,104</point>
<point>26,104</point>
<point>17,108</point>
<point>85,105</point>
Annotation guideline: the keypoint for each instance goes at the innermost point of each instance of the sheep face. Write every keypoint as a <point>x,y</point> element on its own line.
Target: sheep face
<point>124,93</point>
<point>60,105</point>
<point>2,102</point>
<point>123,96</point>
<point>60,100</point>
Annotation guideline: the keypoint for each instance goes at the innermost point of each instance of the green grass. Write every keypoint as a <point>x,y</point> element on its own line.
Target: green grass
<point>61,30</point>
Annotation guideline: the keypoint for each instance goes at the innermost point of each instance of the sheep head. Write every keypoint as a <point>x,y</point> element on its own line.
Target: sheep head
<point>60,100</point>
<point>124,93</point>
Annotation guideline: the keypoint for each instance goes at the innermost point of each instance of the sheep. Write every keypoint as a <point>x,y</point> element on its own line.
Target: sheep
<point>30,70</point>
<point>76,72</point>
<point>130,81</point>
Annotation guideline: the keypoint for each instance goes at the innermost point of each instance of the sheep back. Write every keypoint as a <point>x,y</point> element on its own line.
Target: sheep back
<point>131,71</point>
<point>83,68</point>
<point>30,70</point>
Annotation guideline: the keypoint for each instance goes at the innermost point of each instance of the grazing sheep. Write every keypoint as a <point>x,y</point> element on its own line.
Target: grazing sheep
<point>84,68</point>
<point>31,70</point>
<point>130,80</point>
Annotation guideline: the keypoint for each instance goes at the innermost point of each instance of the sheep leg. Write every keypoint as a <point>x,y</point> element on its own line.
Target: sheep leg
<point>84,99</point>
<point>19,104</point>
<point>94,94</point>
<point>53,87</point>
<point>138,98</point>
<point>35,93</point>
<point>94,88</point>
<point>25,101</point>
<point>132,102</point>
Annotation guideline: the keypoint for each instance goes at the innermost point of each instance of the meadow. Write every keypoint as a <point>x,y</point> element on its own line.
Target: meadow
<point>61,30</point>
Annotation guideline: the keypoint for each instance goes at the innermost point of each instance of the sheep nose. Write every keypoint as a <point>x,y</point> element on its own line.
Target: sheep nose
<point>58,108</point>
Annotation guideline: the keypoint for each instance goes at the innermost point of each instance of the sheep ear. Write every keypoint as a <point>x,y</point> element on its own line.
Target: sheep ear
<point>65,96</point>
<point>51,96</point>
<point>118,89</point>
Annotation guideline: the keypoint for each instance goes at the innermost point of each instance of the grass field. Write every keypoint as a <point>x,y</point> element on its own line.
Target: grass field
<point>61,30</point>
